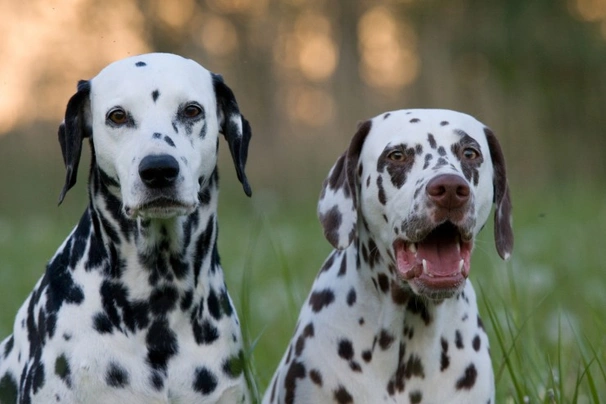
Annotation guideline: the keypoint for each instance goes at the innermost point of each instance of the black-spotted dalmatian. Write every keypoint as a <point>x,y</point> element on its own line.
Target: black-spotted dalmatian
<point>133,307</point>
<point>391,317</point>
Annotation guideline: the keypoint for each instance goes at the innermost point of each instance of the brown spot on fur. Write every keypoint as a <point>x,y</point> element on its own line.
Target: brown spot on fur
<point>321,299</point>
<point>342,396</point>
<point>385,339</point>
<point>295,371</point>
<point>331,221</point>
<point>315,377</point>
<point>399,295</point>
<point>382,196</point>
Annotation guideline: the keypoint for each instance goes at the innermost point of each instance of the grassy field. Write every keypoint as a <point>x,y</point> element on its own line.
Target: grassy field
<point>543,309</point>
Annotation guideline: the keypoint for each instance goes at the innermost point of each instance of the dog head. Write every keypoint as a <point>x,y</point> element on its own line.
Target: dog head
<point>154,122</point>
<point>422,182</point>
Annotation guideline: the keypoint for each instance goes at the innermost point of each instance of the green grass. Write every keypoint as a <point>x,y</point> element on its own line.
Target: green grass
<point>543,310</point>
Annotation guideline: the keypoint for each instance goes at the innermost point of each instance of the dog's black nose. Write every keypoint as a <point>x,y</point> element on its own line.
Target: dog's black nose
<point>159,171</point>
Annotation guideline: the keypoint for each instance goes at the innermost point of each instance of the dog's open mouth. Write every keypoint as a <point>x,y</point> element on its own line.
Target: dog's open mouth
<point>439,261</point>
<point>160,208</point>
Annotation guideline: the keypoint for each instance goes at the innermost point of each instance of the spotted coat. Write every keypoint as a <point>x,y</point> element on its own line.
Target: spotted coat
<point>133,307</point>
<point>391,316</point>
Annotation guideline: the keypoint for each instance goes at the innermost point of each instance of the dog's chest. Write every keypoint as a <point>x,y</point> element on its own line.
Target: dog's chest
<point>171,346</point>
<point>394,349</point>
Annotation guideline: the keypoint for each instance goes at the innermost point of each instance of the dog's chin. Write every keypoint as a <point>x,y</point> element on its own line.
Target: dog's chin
<point>437,265</point>
<point>160,208</point>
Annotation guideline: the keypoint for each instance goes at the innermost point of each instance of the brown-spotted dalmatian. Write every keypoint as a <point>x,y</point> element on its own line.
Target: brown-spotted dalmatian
<point>133,307</point>
<point>391,317</point>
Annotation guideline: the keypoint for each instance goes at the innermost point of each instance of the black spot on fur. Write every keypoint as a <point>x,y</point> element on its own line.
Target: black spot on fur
<point>383,282</point>
<point>62,369</point>
<point>116,376</point>
<point>155,95</point>
<point>444,358</point>
<point>205,333</point>
<point>163,299</point>
<point>432,141</point>
<point>415,120</point>
<point>213,305</point>
<point>161,344</point>
<point>102,323</point>
<point>458,339</point>
<point>428,158</point>
<point>8,347</point>
<point>467,381</point>
<point>205,381</point>
<point>443,123</point>
<point>351,297</point>
<point>476,343</point>
<point>156,380</point>
<point>140,64</point>
<point>321,299</point>
<point>345,349</point>
<point>386,115</point>
<point>343,266</point>
<point>169,141</point>
<point>157,135</point>
<point>328,263</point>
<point>296,370</point>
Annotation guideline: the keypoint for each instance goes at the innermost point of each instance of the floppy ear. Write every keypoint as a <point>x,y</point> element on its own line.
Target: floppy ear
<point>72,131</point>
<point>338,204</point>
<point>235,128</point>
<point>503,232</point>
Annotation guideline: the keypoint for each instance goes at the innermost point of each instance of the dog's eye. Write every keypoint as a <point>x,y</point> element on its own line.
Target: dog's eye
<point>470,153</point>
<point>117,116</point>
<point>192,111</point>
<point>396,155</point>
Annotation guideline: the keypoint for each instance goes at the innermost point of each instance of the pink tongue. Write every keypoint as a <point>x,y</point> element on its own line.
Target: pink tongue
<point>442,256</point>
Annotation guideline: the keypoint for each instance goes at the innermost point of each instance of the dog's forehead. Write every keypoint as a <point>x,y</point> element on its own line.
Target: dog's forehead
<point>152,72</point>
<point>423,126</point>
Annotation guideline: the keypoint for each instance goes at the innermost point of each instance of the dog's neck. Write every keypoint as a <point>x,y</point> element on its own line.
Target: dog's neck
<point>390,295</point>
<point>181,249</point>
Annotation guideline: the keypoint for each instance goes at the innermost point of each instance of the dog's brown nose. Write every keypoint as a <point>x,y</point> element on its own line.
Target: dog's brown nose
<point>448,191</point>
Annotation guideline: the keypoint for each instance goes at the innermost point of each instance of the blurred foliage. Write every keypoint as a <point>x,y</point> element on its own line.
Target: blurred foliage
<point>306,71</point>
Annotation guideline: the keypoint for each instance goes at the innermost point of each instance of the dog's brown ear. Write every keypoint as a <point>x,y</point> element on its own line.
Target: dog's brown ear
<point>503,231</point>
<point>338,204</point>
<point>72,131</point>
<point>234,127</point>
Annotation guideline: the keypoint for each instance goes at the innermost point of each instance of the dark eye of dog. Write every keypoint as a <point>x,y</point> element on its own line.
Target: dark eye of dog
<point>396,155</point>
<point>117,116</point>
<point>471,153</point>
<point>192,111</point>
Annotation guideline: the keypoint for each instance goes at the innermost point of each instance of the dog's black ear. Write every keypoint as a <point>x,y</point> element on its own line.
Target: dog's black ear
<point>503,231</point>
<point>234,127</point>
<point>338,204</point>
<point>72,131</point>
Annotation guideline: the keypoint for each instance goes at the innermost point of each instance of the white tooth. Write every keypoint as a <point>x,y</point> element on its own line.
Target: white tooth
<point>425,271</point>
<point>412,247</point>
<point>461,265</point>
